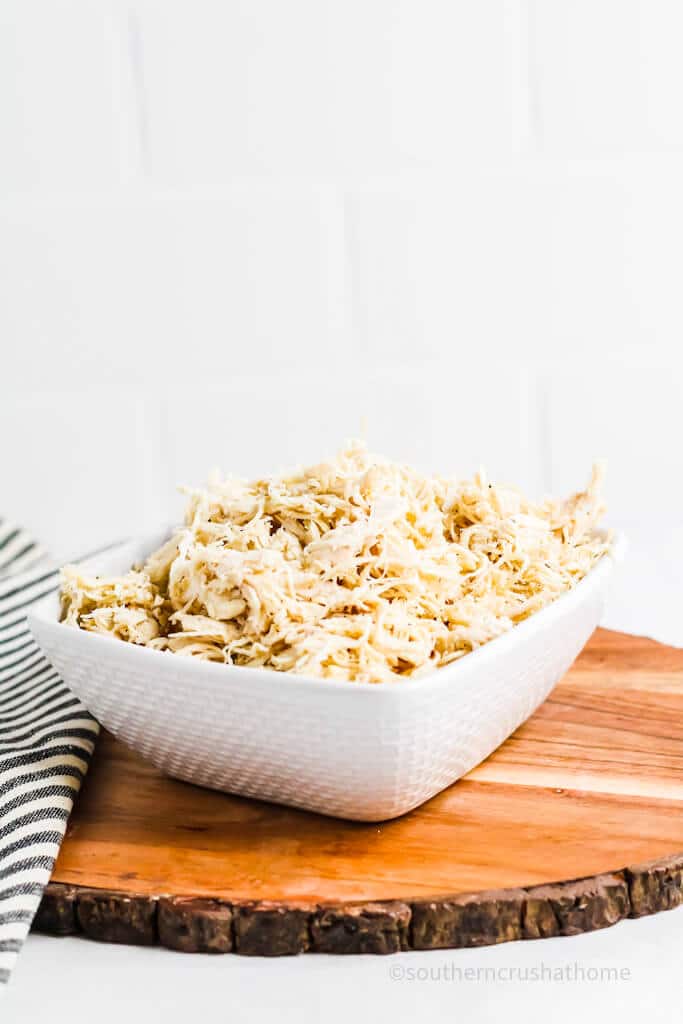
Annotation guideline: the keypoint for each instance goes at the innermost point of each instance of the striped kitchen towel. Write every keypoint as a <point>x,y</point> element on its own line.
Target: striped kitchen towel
<point>46,739</point>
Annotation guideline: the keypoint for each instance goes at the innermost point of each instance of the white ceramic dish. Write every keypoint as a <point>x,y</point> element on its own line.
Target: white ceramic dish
<point>353,750</point>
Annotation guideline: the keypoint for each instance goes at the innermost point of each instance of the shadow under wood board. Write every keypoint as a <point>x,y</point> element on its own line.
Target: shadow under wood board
<point>590,788</point>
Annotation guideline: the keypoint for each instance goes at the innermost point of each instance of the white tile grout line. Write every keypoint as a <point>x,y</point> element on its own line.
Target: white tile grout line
<point>124,96</point>
<point>532,75</point>
<point>135,55</point>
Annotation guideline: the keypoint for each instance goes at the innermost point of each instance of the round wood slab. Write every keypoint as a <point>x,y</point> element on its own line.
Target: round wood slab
<point>573,824</point>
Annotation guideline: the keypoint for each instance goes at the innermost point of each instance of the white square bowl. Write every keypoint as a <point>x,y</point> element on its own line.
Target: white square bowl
<point>364,751</point>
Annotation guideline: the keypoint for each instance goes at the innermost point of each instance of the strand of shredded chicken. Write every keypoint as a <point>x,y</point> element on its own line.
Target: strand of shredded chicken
<point>357,569</point>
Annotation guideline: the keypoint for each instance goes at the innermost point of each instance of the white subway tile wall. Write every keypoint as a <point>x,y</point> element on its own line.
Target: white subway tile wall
<point>609,74</point>
<point>413,413</point>
<point>66,97</point>
<point>448,269</point>
<point>632,419</point>
<point>237,233</point>
<point>313,87</point>
<point>91,295</point>
<point>76,467</point>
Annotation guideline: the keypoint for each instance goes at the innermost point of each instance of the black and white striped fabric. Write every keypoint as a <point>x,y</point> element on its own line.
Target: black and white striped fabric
<point>46,739</point>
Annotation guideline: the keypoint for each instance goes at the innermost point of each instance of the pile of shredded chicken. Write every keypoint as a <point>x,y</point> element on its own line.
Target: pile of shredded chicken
<point>357,569</point>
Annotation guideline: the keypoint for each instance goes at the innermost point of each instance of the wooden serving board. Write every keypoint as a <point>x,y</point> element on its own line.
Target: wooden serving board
<point>590,788</point>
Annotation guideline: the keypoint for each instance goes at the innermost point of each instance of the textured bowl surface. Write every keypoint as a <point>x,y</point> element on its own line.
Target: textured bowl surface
<point>353,750</point>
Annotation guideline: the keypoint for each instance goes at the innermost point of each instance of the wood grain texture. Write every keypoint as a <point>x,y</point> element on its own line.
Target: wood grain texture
<point>572,825</point>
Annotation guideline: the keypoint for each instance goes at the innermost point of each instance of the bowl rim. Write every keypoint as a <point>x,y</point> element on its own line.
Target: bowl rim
<point>39,619</point>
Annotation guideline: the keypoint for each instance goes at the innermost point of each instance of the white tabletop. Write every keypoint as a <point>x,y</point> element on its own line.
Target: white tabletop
<point>631,969</point>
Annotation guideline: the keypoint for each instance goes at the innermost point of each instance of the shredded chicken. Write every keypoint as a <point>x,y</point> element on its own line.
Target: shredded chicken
<point>356,569</point>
